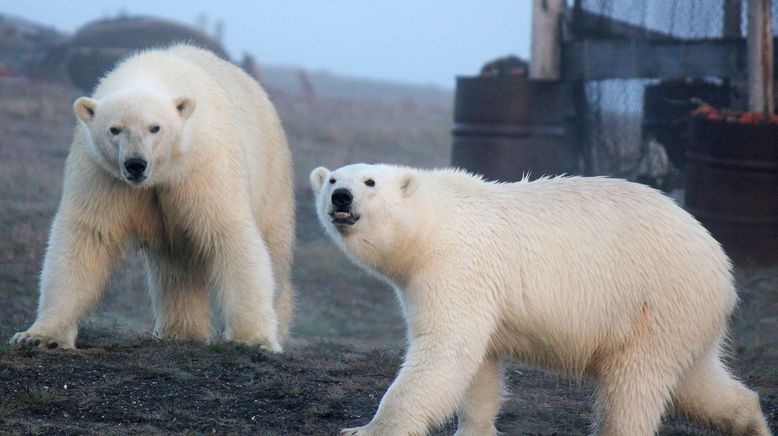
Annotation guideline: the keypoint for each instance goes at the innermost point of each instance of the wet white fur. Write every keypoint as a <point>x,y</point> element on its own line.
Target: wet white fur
<point>215,219</point>
<point>592,277</point>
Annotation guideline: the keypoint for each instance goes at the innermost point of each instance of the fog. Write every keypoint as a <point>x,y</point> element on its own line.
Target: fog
<point>420,42</point>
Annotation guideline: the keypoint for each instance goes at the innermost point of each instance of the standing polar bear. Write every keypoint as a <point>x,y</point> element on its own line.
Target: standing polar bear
<point>183,153</point>
<point>585,276</point>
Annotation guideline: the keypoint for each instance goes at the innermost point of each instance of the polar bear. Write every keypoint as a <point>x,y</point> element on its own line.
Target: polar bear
<point>593,277</point>
<point>182,153</point>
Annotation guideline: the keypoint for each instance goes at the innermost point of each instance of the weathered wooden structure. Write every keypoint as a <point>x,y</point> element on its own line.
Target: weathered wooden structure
<point>574,47</point>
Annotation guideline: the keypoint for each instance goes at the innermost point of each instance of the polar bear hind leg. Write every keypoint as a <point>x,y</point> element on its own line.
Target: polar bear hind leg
<point>482,401</point>
<point>283,301</point>
<point>707,393</point>
<point>633,390</point>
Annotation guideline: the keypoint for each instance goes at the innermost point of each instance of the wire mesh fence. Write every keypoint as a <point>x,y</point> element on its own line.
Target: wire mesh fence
<point>614,120</point>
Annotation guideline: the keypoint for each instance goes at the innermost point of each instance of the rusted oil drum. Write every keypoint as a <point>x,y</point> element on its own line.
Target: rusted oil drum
<point>505,127</point>
<point>732,186</point>
<point>666,109</point>
<point>98,46</point>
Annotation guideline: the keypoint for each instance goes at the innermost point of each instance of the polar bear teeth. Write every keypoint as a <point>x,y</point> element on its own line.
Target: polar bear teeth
<point>342,214</point>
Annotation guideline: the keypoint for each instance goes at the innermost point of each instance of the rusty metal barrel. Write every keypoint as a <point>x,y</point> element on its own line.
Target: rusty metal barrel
<point>732,186</point>
<point>666,109</point>
<point>505,127</point>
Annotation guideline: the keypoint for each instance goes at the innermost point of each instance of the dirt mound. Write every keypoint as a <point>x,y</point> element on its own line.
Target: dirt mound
<point>24,44</point>
<point>97,46</point>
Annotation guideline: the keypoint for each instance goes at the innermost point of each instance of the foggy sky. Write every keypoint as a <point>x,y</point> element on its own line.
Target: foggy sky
<point>421,41</point>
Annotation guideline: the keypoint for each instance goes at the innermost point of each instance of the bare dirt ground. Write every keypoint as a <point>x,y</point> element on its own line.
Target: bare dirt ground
<point>347,342</point>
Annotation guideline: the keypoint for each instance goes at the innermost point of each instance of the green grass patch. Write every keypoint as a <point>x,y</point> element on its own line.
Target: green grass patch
<point>5,347</point>
<point>227,348</point>
<point>279,388</point>
<point>36,398</point>
<point>112,347</point>
<point>218,397</point>
<point>28,350</point>
<point>167,373</point>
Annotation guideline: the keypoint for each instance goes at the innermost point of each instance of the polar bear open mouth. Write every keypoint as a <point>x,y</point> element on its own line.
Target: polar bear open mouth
<point>344,217</point>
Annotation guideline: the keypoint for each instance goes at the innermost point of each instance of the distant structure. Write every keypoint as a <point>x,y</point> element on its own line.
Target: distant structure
<point>201,22</point>
<point>306,86</point>
<point>624,91</point>
<point>25,45</point>
<point>506,66</point>
<point>97,46</point>
<point>218,31</point>
<point>250,65</point>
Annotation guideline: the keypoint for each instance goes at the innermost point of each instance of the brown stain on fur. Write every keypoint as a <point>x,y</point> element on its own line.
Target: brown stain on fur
<point>643,318</point>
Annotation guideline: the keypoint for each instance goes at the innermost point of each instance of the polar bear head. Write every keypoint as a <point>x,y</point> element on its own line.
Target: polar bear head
<point>135,133</point>
<point>367,209</point>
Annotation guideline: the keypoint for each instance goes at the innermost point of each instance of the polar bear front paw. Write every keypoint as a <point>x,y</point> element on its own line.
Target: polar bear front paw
<point>265,343</point>
<point>273,347</point>
<point>45,340</point>
<point>384,428</point>
<point>270,345</point>
<point>357,431</point>
<point>473,430</point>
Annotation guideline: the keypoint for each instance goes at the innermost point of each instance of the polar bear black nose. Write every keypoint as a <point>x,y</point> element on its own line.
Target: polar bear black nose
<point>135,166</point>
<point>341,197</point>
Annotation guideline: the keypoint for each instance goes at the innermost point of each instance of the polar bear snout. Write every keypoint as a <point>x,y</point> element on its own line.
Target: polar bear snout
<point>341,212</point>
<point>342,198</point>
<point>134,169</point>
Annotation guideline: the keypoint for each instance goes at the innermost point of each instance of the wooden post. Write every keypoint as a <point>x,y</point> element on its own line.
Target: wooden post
<point>546,39</point>
<point>731,23</point>
<point>582,134</point>
<point>760,57</point>
<point>737,83</point>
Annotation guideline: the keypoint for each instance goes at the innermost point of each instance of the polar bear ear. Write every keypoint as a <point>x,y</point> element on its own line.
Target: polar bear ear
<point>185,106</point>
<point>317,178</point>
<point>85,109</point>
<point>408,183</point>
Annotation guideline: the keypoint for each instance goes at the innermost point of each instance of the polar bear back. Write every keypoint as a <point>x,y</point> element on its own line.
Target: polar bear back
<point>229,103</point>
<point>577,264</point>
<point>258,125</point>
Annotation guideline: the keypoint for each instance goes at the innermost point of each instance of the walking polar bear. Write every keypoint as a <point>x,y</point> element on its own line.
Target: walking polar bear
<point>183,153</point>
<point>585,276</point>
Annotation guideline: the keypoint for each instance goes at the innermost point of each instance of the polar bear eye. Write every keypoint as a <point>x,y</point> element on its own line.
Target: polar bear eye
<point>115,130</point>
<point>370,182</point>
<point>154,128</point>
<point>332,181</point>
